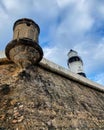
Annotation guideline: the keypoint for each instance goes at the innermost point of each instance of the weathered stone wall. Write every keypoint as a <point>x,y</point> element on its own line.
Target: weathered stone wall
<point>37,99</point>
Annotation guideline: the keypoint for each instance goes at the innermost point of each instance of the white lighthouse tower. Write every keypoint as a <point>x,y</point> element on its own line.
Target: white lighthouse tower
<point>75,63</point>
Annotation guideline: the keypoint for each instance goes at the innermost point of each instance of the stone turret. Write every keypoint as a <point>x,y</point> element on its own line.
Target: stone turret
<point>26,28</point>
<point>24,49</point>
<point>75,63</point>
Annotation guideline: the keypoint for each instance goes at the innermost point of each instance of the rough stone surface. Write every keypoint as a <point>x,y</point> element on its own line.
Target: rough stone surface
<point>23,52</point>
<point>37,99</point>
<point>24,56</point>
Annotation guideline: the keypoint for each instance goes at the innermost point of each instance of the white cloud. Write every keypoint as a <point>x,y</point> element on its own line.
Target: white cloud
<point>93,56</point>
<point>17,7</point>
<point>63,3</point>
<point>2,54</point>
<point>75,22</point>
<point>3,17</point>
<point>57,55</point>
<point>99,78</point>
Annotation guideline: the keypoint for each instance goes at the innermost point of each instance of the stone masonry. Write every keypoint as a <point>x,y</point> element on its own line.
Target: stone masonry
<point>38,99</point>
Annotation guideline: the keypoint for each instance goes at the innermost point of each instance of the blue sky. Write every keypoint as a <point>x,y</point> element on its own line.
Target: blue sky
<point>64,25</point>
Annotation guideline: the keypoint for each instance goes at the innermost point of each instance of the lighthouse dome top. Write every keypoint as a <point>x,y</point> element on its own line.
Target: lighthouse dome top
<point>72,53</point>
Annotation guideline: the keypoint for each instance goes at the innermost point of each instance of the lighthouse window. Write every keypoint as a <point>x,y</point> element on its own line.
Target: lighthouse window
<point>75,58</point>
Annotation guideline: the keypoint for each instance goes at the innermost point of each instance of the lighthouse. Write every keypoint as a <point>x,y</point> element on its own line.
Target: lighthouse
<point>75,63</point>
